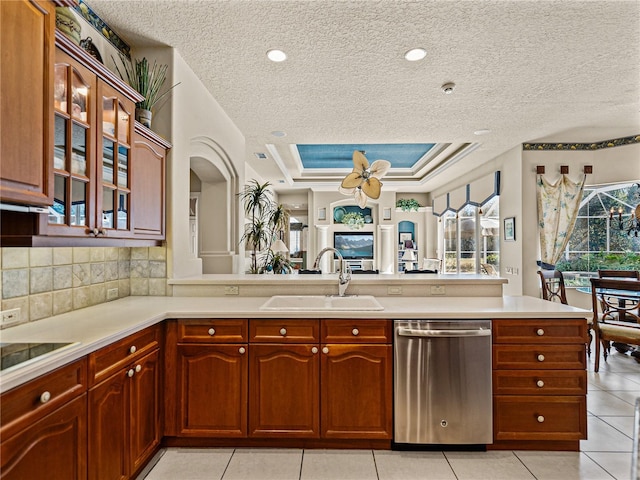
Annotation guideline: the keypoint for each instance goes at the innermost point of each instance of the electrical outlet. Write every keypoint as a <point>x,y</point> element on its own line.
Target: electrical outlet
<point>10,317</point>
<point>231,290</point>
<point>438,290</point>
<point>397,290</point>
<point>112,294</point>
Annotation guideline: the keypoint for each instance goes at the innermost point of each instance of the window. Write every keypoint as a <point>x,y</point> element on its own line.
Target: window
<point>597,241</point>
<point>465,245</point>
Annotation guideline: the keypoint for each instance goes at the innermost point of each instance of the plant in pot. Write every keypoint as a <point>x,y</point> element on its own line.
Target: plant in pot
<point>407,204</point>
<point>147,80</point>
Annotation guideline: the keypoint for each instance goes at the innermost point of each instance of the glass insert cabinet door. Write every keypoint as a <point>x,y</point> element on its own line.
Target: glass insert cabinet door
<point>74,89</point>
<point>117,125</point>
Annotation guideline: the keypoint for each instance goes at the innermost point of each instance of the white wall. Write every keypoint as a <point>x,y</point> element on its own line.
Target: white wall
<point>191,117</point>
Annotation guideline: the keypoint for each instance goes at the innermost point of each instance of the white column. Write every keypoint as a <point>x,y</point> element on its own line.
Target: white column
<point>322,239</point>
<point>386,250</point>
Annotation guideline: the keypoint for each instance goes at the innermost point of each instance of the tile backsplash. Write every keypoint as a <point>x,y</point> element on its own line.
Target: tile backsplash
<point>44,281</point>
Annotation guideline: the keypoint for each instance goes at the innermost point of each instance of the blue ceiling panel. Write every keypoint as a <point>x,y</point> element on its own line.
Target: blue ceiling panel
<point>401,155</point>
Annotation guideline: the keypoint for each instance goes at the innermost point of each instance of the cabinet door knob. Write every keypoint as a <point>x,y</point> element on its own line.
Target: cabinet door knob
<point>133,349</point>
<point>325,350</point>
<point>540,383</point>
<point>45,397</point>
<point>540,332</point>
<point>242,350</point>
<point>314,350</point>
<point>131,373</point>
<point>541,358</point>
<point>355,332</point>
<point>138,368</point>
<point>283,331</point>
<point>212,331</point>
<point>540,419</point>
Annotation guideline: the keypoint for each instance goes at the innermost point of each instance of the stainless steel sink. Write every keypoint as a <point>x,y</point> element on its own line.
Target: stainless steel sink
<point>321,302</point>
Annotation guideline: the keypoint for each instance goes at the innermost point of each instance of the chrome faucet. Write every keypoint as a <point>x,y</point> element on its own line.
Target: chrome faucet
<point>343,279</point>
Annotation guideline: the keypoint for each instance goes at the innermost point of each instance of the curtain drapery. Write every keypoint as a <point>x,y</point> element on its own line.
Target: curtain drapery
<point>558,205</point>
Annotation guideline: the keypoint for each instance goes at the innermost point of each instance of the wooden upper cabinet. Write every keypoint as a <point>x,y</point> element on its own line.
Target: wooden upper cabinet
<point>27,30</point>
<point>148,184</point>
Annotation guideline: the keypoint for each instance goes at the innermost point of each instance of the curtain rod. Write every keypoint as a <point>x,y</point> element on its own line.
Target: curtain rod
<point>564,169</point>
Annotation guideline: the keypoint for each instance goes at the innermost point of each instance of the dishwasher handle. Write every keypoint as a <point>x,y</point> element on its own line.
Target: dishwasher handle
<point>476,332</point>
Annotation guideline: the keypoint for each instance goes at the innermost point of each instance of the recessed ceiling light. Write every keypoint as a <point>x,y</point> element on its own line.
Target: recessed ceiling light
<point>415,54</point>
<point>279,133</point>
<point>482,131</point>
<point>276,55</point>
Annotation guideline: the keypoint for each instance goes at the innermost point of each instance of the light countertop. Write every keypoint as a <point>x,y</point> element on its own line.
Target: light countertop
<point>100,325</point>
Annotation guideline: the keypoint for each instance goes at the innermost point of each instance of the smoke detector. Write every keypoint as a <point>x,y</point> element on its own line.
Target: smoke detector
<point>448,88</point>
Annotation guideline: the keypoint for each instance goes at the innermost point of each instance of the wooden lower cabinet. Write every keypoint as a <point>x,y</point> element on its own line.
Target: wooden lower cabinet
<point>212,384</point>
<point>284,395</point>
<point>55,447</point>
<point>356,385</point>
<point>124,420</point>
<point>539,384</point>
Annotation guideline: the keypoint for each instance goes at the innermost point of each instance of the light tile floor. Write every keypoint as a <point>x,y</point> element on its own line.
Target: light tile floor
<point>606,454</point>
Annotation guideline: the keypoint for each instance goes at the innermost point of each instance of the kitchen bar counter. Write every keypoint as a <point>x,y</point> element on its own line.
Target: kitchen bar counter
<point>100,325</point>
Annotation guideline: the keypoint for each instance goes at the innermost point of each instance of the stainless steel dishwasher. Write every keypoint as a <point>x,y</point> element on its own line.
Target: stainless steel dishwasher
<point>442,382</point>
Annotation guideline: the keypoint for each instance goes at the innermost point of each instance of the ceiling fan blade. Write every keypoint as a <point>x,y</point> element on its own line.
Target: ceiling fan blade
<point>360,162</point>
<point>379,168</point>
<point>361,198</point>
<point>352,180</point>
<point>371,187</point>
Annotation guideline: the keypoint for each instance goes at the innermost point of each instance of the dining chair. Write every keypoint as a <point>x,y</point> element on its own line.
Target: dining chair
<point>488,269</point>
<point>552,283</point>
<point>613,301</point>
<point>619,274</point>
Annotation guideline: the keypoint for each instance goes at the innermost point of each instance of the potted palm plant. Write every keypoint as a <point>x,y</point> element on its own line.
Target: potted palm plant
<point>146,79</point>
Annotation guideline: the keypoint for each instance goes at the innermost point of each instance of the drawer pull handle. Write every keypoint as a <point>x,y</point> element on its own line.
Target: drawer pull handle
<point>133,349</point>
<point>212,331</point>
<point>242,350</point>
<point>283,331</point>
<point>540,332</point>
<point>131,373</point>
<point>540,383</point>
<point>325,350</point>
<point>541,358</point>
<point>314,350</point>
<point>355,332</point>
<point>138,368</point>
<point>45,397</point>
<point>540,419</point>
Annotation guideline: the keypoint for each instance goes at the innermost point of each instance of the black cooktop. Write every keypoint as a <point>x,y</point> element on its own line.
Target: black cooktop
<point>12,354</point>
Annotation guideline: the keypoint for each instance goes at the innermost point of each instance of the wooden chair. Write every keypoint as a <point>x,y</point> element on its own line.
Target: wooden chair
<point>613,304</point>
<point>552,283</point>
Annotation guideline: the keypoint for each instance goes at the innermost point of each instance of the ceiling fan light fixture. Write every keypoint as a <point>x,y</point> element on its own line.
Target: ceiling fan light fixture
<point>415,54</point>
<point>276,55</point>
<point>364,181</point>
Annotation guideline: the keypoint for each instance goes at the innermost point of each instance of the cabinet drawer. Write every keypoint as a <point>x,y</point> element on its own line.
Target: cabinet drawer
<point>356,331</point>
<point>212,331</point>
<point>27,403</point>
<point>284,331</point>
<point>540,418</point>
<point>107,360</point>
<point>540,382</point>
<point>540,331</point>
<point>539,357</point>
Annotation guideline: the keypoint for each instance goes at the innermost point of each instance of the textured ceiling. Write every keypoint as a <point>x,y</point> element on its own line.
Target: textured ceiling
<point>561,71</point>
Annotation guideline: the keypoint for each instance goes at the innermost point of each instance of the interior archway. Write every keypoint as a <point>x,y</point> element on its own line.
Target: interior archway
<point>214,182</point>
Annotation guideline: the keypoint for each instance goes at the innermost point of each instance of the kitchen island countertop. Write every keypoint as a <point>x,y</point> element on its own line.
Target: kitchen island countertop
<point>97,326</point>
